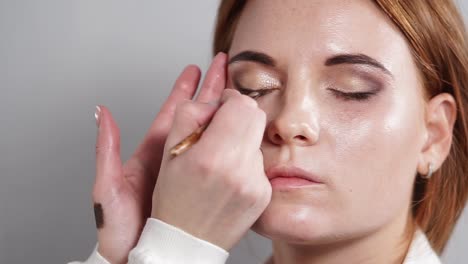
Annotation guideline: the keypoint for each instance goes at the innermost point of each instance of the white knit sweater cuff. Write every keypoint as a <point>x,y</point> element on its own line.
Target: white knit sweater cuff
<point>163,243</point>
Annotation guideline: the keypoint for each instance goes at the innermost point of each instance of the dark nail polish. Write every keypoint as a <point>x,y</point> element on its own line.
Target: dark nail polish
<point>98,215</point>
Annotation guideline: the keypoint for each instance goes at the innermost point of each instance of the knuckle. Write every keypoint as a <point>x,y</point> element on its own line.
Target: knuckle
<point>185,109</point>
<point>251,197</point>
<point>234,186</point>
<point>243,190</point>
<point>227,94</point>
<point>205,166</point>
<point>184,105</point>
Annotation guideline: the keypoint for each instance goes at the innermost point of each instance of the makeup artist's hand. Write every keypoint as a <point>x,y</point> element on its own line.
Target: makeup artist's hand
<point>217,188</point>
<point>122,194</point>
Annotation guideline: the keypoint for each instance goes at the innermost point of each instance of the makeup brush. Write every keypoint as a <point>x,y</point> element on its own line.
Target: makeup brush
<point>191,139</point>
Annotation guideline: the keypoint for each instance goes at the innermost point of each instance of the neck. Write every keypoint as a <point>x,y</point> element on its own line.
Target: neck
<point>386,245</point>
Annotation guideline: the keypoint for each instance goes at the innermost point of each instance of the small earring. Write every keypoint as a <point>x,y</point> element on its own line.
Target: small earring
<point>429,174</point>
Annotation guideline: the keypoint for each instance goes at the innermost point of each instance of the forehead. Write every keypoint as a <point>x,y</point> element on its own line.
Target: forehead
<point>309,30</point>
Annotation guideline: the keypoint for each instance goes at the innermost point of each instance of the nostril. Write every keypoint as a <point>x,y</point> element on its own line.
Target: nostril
<point>277,137</point>
<point>301,137</point>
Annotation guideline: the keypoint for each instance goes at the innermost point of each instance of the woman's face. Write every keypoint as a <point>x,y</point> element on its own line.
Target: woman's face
<point>344,103</point>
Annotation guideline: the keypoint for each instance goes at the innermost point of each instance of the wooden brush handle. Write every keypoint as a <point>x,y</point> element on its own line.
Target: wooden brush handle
<point>187,142</point>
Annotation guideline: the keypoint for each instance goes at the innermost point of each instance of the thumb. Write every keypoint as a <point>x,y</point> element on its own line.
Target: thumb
<point>108,164</point>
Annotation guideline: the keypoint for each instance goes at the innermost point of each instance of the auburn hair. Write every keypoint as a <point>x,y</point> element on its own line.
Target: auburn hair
<point>437,37</point>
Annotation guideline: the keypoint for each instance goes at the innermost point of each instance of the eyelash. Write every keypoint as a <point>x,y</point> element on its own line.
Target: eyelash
<point>359,96</point>
<point>260,92</point>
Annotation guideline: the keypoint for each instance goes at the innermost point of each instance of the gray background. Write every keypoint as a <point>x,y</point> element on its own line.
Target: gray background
<point>58,59</point>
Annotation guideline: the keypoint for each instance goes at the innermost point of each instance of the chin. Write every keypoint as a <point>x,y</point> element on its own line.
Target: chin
<point>296,224</point>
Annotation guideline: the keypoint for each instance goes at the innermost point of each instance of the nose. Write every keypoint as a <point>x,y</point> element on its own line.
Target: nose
<point>296,123</point>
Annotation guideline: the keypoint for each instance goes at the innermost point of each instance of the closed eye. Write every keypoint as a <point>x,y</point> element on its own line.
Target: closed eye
<point>357,96</point>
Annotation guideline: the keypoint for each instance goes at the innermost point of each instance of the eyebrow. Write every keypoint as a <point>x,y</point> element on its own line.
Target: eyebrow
<point>356,59</point>
<point>254,56</point>
<point>347,58</point>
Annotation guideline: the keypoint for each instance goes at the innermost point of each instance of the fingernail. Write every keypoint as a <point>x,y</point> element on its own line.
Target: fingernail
<point>97,115</point>
<point>218,56</point>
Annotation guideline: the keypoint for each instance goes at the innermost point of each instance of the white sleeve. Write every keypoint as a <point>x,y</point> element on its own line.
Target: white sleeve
<point>163,243</point>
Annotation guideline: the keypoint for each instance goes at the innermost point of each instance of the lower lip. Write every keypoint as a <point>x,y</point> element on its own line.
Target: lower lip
<point>290,182</point>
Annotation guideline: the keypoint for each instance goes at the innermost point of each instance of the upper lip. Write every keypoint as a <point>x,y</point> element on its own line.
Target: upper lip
<point>291,171</point>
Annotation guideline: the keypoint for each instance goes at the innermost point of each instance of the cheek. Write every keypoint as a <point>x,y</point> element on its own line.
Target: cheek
<point>375,153</point>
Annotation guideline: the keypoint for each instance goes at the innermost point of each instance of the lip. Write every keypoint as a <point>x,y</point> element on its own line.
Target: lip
<point>289,171</point>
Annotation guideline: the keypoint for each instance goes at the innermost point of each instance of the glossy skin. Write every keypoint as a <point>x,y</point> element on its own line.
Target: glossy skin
<point>367,151</point>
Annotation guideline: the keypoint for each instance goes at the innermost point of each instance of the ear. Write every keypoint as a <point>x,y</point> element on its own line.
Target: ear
<point>440,116</point>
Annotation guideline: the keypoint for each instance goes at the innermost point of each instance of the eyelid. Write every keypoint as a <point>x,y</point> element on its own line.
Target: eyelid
<point>265,88</point>
<point>257,77</point>
<point>268,81</point>
<point>357,78</point>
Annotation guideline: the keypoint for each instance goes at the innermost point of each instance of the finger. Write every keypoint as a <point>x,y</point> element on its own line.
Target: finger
<point>215,80</point>
<point>257,124</point>
<point>233,125</point>
<point>258,129</point>
<point>230,93</point>
<point>199,125</point>
<point>108,163</point>
<point>184,89</point>
<point>189,117</point>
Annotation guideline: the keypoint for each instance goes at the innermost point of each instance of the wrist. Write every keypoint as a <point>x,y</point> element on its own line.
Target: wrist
<point>110,257</point>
